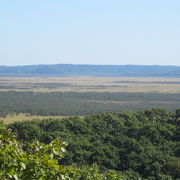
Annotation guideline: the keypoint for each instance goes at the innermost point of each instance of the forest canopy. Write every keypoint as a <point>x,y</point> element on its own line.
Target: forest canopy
<point>143,144</point>
<point>82,103</point>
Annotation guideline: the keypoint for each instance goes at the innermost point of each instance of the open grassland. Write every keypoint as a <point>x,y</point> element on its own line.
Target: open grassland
<point>27,98</point>
<point>90,84</point>
<point>10,118</point>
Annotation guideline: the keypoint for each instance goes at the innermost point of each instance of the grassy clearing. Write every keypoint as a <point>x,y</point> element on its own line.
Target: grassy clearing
<point>26,117</point>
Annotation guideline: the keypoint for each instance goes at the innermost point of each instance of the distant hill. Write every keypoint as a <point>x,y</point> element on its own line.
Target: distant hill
<point>90,70</point>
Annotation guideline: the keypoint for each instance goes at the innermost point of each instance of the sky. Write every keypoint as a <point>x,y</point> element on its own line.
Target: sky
<point>145,32</point>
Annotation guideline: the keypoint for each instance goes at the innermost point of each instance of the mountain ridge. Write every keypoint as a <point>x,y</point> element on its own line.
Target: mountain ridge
<point>91,70</point>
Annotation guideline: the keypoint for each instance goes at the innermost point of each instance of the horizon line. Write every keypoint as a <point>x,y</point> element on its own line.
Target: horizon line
<point>87,65</point>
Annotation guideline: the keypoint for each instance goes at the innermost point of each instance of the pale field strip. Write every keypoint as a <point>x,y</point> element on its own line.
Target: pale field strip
<point>91,84</point>
<point>131,102</point>
<point>26,117</point>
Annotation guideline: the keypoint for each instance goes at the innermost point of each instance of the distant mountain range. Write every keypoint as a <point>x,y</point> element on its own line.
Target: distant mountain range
<point>90,70</point>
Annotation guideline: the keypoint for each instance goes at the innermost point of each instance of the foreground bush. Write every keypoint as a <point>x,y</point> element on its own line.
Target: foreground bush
<point>40,162</point>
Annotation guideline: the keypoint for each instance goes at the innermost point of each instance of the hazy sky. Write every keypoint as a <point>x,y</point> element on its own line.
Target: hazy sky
<point>89,32</point>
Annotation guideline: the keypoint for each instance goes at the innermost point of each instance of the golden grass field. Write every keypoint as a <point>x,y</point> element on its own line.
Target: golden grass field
<point>90,84</point>
<point>26,117</point>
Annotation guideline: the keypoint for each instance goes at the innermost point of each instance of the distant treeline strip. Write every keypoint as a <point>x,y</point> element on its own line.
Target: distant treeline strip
<point>82,103</point>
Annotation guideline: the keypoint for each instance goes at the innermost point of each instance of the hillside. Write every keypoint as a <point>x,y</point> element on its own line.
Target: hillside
<point>90,70</point>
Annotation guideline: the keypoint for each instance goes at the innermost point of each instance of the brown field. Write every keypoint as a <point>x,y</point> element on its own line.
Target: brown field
<point>90,84</point>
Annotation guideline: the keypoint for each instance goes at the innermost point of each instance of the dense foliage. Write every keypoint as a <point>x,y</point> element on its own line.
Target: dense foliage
<point>143,144</point>
<point>40,162</point>
<point>79,103</point>
<point>91,70</point>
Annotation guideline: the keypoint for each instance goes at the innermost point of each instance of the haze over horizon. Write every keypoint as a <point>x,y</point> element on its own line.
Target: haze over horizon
<point>102,32</point>
<point>90,64</point>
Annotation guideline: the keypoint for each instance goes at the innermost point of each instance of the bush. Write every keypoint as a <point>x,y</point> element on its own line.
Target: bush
<point>40,162</point>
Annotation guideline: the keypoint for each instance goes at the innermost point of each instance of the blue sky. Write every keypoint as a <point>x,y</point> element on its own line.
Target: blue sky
<point>90,32</point>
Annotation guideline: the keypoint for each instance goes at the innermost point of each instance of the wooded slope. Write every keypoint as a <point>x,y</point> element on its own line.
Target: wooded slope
<point>91,70</point>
